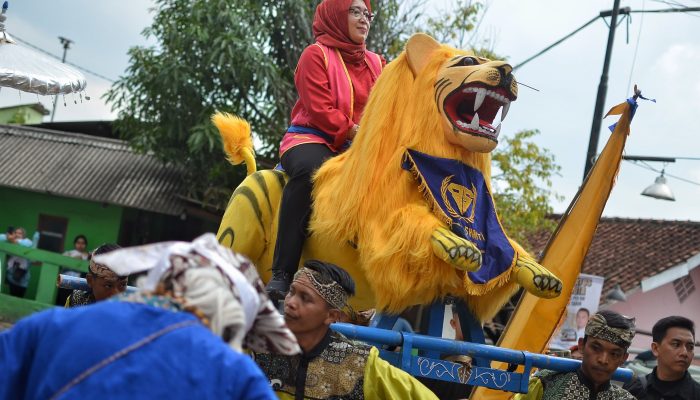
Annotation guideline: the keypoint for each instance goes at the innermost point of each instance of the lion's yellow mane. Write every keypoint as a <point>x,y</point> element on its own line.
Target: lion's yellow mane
<point>365,197</point>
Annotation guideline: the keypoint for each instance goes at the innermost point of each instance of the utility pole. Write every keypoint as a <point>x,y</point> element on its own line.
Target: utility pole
<point>602,92</point>
<point>66,45</point>
<point>603,86</point>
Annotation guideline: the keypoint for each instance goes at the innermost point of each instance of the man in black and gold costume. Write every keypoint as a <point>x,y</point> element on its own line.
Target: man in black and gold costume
<point>331,366</point>
<point>608,335</point>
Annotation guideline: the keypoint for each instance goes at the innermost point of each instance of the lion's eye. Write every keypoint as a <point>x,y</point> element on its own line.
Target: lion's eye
<point>465,62</point>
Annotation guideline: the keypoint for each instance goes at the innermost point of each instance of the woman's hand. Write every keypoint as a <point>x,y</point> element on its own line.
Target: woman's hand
<point>352,132</point>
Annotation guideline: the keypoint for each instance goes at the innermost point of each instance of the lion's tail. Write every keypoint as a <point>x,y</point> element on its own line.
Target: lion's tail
<point>237,140</point>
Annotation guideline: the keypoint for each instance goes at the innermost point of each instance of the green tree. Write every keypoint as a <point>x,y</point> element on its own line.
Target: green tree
<point>522,180</point>
<point>211,55</point>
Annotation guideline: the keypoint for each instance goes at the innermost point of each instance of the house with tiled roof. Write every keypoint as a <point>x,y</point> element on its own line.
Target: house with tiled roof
<point>655,263</point>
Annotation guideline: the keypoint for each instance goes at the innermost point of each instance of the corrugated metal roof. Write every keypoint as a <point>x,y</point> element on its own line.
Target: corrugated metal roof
<point>87,167</point>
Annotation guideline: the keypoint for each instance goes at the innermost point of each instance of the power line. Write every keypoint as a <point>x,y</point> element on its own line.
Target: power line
<point>623,11</point>
<point>39,49</point>
<point>644,165</point>
<point>636,48</point>
<point>670,10</point>
<point>671,3</point>
<point>556,43</point>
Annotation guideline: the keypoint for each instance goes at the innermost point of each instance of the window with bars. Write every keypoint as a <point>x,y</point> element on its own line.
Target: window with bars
<point>684,287</point>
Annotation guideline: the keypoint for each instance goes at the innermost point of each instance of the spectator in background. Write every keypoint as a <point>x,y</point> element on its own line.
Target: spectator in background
<point>79,249</point>
<point>80,252</point>
<point>17,267</point>
<point>9,235</point>
<point>21,237</point>
<point>16,236</point>
<point>674,347</point>
<point>102,281</point>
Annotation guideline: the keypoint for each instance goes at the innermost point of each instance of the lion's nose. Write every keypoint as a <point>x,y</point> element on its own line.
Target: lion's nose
<point>506,75</point>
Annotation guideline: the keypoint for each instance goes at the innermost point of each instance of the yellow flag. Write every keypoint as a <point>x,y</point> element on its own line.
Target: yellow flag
<point>535,319</point>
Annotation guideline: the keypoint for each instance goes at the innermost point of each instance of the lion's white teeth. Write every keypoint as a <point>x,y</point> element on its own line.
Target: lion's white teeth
<point>498,130</point>
<point>475,122</point>
<point>479,99</point>
<point>506,107</point>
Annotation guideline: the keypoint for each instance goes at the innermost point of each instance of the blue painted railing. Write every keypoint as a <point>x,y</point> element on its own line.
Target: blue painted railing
<point>476,375</point>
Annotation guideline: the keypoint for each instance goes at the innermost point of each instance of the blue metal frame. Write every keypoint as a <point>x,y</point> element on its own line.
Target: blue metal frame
<point>429,367</point>
<point>471,328</point>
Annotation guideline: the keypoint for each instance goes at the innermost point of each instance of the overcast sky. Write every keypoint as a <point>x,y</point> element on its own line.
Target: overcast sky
<point>667,60</point>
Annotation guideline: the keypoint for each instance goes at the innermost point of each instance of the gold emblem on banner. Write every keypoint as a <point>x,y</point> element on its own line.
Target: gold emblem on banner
<point>464,198</point>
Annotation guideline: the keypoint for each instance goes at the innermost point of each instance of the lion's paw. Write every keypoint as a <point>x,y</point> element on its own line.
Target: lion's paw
<point>459,252</point>
<point>535,278</point>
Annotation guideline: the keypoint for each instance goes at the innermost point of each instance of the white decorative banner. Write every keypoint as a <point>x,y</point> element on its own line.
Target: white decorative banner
<point>584,302</point>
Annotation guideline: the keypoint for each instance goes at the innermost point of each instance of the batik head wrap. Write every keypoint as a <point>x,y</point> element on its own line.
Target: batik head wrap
<point>598,328</point>
<point>102,271</point>
<point>330,27</point>
<point>224,286</point>
<point>331,292</point>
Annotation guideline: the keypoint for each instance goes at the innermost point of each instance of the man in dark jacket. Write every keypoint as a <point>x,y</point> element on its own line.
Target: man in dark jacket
<point>674,346</point>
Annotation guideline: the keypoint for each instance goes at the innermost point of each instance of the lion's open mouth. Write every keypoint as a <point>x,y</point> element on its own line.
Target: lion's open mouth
<point>473,108</point>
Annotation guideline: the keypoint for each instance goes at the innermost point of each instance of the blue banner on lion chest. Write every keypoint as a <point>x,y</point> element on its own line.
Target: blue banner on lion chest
<point>460,195</point>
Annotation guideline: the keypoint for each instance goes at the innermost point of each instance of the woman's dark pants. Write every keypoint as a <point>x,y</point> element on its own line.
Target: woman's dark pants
<point>300,163</point>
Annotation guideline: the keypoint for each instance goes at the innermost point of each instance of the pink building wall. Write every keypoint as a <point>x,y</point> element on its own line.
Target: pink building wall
<point>661,302</point>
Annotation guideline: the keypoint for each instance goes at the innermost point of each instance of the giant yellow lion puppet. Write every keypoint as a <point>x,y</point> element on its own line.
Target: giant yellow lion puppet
<point>402,233</point>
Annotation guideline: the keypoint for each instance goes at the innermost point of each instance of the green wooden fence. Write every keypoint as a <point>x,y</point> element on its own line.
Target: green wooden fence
<point>41,290</point>
<point>13,308</point>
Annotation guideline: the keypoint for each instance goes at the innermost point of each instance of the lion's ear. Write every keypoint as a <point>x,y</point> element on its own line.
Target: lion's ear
<point>418,49</point>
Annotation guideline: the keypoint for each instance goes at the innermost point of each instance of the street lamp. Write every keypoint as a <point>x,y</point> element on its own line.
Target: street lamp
<point>659,189</point>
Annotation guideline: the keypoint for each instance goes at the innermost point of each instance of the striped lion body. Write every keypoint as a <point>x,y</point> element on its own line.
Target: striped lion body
<point>249,227</point>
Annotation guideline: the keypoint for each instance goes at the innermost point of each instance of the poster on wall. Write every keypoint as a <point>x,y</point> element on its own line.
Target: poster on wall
<point>584,302</point>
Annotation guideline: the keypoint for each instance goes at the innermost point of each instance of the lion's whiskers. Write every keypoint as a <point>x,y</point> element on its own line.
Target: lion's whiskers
<point>520,83</point>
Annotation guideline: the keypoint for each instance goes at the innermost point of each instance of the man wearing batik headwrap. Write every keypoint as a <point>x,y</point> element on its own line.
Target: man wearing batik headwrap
<point>102,281</point>
<point>608,335</point>
<point>180,337</point>
<point>331,366</point>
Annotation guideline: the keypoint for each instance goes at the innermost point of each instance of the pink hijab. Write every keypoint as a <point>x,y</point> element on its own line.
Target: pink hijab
<point>330,28</point>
